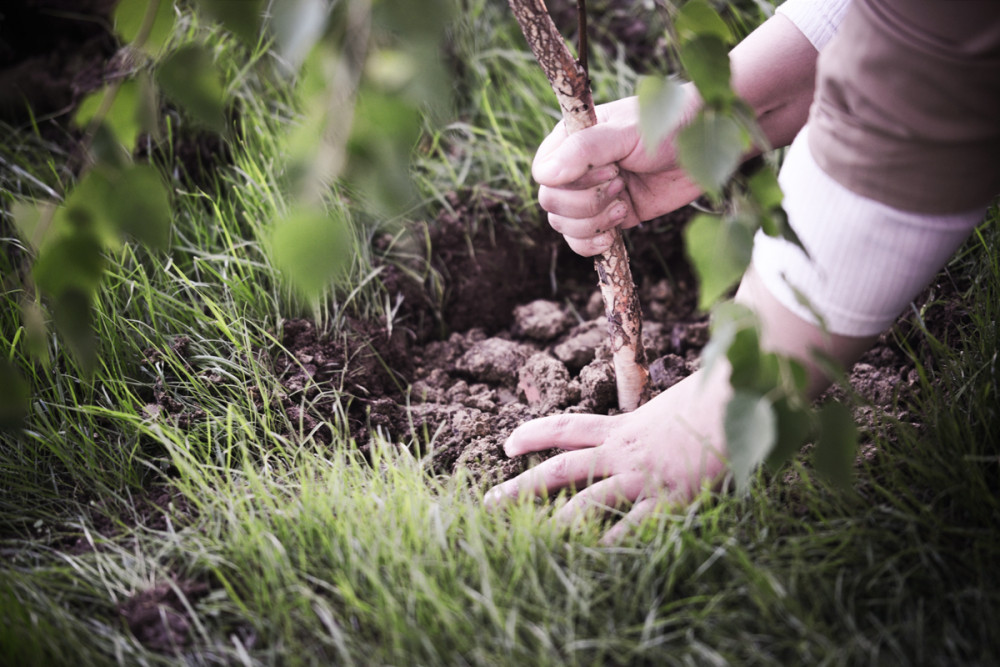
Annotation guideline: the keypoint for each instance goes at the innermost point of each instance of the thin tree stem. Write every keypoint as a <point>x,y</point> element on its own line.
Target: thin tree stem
<point>569,80</point>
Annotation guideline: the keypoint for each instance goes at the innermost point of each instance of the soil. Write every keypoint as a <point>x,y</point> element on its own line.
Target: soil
<point>525,336</point>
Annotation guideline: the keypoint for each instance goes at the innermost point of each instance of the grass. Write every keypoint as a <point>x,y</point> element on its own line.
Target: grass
<point>273,549</point>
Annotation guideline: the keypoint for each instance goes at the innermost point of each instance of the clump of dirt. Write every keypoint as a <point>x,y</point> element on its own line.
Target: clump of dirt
<point>158,617</point>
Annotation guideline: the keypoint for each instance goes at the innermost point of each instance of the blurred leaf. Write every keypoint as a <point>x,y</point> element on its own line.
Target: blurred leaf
<point>764,189</point>
<point>141,206</point>
<point>73,316</point>
<point>706,61</point>
<point>148,108</point>
<point>123,115</point>
<point>391,69</point>
<point>35,331</point>
<point>14,397</point>
<point>795,429</point>
<point>720,251</point>
<point>837,444</point>
<point>28,217</point>
<point>425,20</point>
<point>697,18</point>
<point>661,105</point>
<point>751,430</point>
<point>240,17</point>
<point>728,319</point>
<point>73,263</point>
<point>107,149</point>
<point>131,16</point>
<point>710,148</point>
<point>312,249</point>
<point>386,128</point>
<point>85,211</point>
<point>297,25</point>
<point>190,77</point>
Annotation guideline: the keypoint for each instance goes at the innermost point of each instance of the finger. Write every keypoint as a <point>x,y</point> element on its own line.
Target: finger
<point>613,215</point>
<point>577,468</point>
<point>645,508</point>
<point>584,203</point>
<point>562,159</point>
<point>601,496</point>
<point>641,511</point>
<point>573,431</point>
<point>595,245</point>
<point>599,175</point>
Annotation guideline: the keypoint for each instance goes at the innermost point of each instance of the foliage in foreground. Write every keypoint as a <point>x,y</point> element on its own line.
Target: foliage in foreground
<point>274,550</point>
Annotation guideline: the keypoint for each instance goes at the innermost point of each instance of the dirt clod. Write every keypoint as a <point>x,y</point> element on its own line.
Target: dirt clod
<point>158,616</point>
<point>541,320</point>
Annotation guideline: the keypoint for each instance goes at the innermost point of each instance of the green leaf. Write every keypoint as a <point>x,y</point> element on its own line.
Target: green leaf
<point>751,431</point>
<point>744,358</point>
<point>297,25</point>
<point>141,206</point>
<point>421,20</point>
<point>72,263</point>
<point>764,189</point>
<point>73,316</point>
<point>190,77</point>
<point>240,17</point>
<point>28,217</point>
<point>123,115</point>
<point>386,128</point>
<point>710,148</point>
<point>107,149</point>
<point>661,105</point>
<point>131,17</point>
<point>14,397</point>
<point>36,331</point>
<point>728,319</point>
<point>85,211</point>
<point>312,249</point>
<point>697,18</point>
<point>148,107</point>
<point>795,429</point>
<point>720,251</point>
<point>837,445</point>
<point>706,61</point>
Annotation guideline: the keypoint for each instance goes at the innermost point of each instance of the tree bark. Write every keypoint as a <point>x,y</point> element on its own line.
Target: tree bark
<point>571,85</point>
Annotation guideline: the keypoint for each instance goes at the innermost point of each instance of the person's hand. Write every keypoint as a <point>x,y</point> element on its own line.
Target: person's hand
<point>662,452</point>
<point>602,177</point>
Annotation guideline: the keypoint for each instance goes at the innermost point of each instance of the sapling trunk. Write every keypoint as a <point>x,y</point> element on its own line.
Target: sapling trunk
<point>571,84</point>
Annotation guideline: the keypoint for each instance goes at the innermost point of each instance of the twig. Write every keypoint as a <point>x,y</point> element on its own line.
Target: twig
<point>569,80</point>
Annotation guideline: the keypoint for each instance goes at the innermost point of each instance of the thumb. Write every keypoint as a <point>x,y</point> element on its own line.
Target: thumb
<point>562,158</point>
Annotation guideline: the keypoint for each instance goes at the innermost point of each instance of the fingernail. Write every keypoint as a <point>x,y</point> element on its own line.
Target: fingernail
<point>618,210</point>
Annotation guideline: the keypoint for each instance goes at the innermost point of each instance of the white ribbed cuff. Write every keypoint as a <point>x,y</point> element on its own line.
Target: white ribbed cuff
<point>867,261</point>
<point>817,19</point>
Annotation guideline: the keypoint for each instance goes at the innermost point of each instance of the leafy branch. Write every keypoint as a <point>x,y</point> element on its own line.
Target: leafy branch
<point>769,417</point>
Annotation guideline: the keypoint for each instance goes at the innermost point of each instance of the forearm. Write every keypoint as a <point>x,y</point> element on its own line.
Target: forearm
<point>785,333</point>
<point>774,70</point>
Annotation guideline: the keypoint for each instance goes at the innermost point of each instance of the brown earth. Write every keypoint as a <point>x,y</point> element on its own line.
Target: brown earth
<point>525,337</point>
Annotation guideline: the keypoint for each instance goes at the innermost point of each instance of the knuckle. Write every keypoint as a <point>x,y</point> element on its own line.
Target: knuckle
<point>546,198</point>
